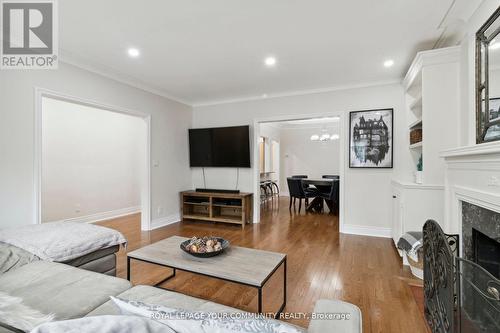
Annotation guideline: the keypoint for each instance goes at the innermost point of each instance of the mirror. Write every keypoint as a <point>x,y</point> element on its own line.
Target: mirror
<point>488,80</point>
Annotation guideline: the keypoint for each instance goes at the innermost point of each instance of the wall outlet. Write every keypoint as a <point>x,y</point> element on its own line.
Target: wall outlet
<point>159,211</point>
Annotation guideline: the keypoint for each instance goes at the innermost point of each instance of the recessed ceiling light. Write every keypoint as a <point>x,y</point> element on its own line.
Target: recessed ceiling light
<point>264,95</point>
<point>133,52</point>
<point>270,61</point>
<point>388,63</point>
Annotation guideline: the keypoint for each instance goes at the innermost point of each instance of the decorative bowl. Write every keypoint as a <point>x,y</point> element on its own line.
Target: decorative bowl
<point>224,243</point>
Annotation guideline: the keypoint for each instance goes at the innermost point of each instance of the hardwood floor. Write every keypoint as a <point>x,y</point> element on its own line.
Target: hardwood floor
<point>322,263</point>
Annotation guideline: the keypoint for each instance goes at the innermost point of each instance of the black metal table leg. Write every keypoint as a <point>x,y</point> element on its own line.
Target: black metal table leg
<point>166,279</point>
<point>282,307</point>
<point>128,268</point>
<point>284,284</point>
<point>260,301</point>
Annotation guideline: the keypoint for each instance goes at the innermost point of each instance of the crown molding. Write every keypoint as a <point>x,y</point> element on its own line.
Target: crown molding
<point>297,93</point>
<point>110,73</point>
<point>428,58</point>
<point>330,125</point>
<point>454,22</point>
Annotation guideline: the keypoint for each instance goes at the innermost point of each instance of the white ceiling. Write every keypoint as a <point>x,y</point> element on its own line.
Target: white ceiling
<point>206,51</point>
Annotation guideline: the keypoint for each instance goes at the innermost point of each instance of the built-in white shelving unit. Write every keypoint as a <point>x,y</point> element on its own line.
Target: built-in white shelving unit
<point>417,145</point>
<point>416,105</point>
<point>432,95</point>
<point>416,123</point>
<point>432,99</point>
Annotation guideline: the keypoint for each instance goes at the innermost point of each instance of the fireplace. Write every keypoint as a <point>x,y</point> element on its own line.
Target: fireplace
<point>481,236</point>
<point>486,252</point>
<point>479,298</point>
<point>472,209</point>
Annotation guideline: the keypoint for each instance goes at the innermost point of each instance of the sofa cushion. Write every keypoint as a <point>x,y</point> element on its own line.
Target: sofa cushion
<point>101,265</point>
<point>335,316</point>
<point>92,256</point>
<point>158,296</point>
<point>152,295</point>
<point>63,290</point>
<point>12,257</point>
<point>185,321</point>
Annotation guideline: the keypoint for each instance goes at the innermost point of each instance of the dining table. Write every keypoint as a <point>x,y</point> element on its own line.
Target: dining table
<point>323,185</point>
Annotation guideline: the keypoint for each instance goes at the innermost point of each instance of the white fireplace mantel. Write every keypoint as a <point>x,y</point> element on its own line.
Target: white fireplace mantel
<point>484,149</point>
<point>473,175</point>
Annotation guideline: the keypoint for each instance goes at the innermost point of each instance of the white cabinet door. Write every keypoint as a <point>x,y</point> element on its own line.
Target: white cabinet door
<point>397,215</point>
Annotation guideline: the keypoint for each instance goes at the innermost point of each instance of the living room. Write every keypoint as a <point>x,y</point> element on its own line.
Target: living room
<point>412,174</point>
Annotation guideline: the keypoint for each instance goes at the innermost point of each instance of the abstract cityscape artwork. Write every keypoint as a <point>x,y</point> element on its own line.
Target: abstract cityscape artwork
<point>370,139</point>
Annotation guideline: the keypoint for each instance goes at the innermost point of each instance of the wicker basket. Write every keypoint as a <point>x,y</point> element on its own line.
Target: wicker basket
<point>415,135</point>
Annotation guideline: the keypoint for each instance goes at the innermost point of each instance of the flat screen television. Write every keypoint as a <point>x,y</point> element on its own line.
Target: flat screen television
<point>220,147</point>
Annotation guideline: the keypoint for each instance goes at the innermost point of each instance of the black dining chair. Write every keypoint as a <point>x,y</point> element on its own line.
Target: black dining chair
<point>330,177</point>
<point>297,191</point>
<point>305,186</point>
<point>332,197</point>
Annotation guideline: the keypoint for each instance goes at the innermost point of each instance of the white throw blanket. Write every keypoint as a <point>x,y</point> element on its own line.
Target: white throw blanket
<point>61,241</point>
<point>184,321</point>
<point>104,324</point>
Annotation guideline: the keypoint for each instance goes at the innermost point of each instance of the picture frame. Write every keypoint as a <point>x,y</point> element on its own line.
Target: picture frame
<point>371,139</point>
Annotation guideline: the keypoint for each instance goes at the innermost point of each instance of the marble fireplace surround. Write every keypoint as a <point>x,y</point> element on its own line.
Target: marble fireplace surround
<point>485,221</point>
<point>472,175</point>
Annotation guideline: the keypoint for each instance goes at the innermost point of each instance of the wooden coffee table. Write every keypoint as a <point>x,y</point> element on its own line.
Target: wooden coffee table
<point>236,264</point>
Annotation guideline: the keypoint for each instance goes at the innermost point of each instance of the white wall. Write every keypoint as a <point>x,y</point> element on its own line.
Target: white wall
<point>169,142</point>
<point>301,156</point>
<point>368,191</point>
<point>92,161</point>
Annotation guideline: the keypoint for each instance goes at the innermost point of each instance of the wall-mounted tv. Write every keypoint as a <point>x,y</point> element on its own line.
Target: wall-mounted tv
<point>220,147</point>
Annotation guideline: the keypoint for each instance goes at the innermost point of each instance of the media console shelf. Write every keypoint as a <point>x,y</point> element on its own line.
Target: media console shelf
<point>217,207</point>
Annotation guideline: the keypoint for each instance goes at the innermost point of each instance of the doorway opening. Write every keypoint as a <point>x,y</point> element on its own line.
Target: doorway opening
<point>307,148</point>
<point>91,161</point>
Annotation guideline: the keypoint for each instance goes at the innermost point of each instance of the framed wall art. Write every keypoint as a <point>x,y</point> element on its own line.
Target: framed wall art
<point>371,139</point>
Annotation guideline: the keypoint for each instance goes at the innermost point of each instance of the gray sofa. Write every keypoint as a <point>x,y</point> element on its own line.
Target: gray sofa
<point>70,292</point>
<point>100,261</point>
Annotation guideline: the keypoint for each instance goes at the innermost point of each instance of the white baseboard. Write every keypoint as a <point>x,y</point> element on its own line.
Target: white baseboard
<point>366,231</point>
<point>97,217</point>
<point>166,220</point>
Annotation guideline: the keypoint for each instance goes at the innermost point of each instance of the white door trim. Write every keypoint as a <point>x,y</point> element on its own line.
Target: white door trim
<point>37,186</point>
<point>342,157</point>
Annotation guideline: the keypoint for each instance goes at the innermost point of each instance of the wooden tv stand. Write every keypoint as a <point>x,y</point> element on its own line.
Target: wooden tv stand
<point>217,207</point>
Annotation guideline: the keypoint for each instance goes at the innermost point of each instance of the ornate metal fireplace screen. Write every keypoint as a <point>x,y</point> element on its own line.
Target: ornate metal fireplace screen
<point>440,251</point>
<point>478,307</point>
